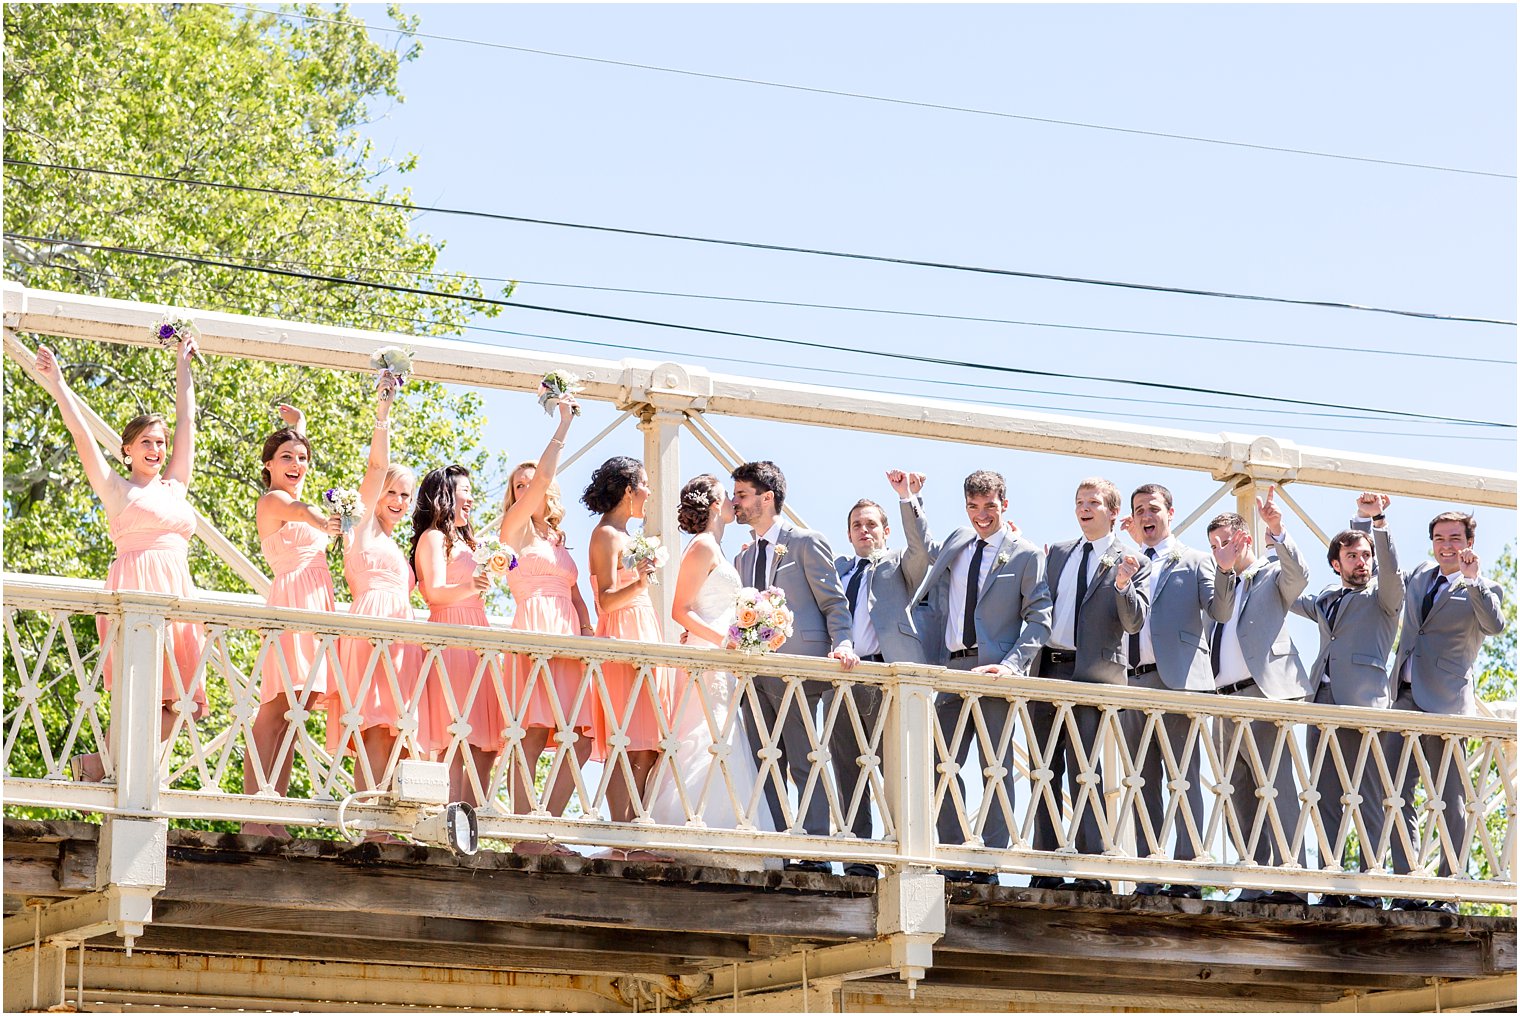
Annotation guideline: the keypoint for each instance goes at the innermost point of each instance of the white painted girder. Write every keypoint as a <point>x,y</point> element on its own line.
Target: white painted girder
<point>674,386</point>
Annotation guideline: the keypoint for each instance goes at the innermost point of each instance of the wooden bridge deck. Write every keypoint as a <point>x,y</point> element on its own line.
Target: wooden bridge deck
<point>250,922</point>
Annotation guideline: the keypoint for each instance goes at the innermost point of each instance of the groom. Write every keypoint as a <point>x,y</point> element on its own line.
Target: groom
<point>800,564</point>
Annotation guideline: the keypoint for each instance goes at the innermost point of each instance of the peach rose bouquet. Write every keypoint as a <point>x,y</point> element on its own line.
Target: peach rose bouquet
<point>762,621</point>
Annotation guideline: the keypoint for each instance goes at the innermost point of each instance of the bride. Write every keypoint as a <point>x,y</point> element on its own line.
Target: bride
<point>711,777</point>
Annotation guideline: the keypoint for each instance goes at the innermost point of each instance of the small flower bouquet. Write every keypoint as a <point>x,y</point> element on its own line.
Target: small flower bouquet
<point>171,331</point>
<point>762,621</point>
<point>555,385</point>
<point>394,364</point>
<point>345,502</point>
<point>646,548</point>
<point>494,557</point>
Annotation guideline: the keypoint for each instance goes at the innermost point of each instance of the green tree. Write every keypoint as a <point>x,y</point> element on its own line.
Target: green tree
<point>201,91</point>
<point>1496,663</point>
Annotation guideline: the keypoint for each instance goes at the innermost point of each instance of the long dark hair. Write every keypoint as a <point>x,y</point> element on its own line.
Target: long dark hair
<point>435,509</point>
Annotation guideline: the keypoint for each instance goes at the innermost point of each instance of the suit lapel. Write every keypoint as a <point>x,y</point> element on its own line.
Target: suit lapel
<point>992,568</point>
<point>1097,579</point>
<point>1441,599</point>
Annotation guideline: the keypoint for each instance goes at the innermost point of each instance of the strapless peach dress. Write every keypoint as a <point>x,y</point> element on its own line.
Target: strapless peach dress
<point>541,585</point>
<point>152,537</point>
<point>380,581</point>
<point>297,554</point>
<point>636,621</point>
<point>484,715</point>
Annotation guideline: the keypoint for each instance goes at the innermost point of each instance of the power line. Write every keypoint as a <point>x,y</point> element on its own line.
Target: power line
<point>206,288</point>
<point>938,316</point>
<point>751,245</point>
<point>880,98</point>
<point>491,301</point>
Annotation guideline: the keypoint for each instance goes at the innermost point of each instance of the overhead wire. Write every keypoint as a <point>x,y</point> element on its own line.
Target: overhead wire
<point>777,248</point>
<point>803,369</point>
<point>840,93</point>
<point>931,315</point>
<point>795,342</point>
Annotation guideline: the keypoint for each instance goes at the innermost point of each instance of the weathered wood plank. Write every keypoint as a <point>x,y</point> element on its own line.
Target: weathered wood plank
<point>1155,993</point>
<point>1288,945</point>
<point>1156,970</point>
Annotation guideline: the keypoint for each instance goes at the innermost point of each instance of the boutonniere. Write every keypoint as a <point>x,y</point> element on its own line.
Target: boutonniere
<point>1108,560</point>
<point>781,551</point>
<point>1250,573</point>
<point>1003,558</point>
<point>875,556</point>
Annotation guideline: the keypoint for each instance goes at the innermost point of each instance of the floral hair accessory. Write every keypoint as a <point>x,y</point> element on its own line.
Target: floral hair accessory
<point>394,364</point>
<point>554,386</point>
<point>698,498</point>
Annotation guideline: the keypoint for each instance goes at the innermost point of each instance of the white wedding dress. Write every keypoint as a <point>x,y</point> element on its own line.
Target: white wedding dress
<point>715,793</point>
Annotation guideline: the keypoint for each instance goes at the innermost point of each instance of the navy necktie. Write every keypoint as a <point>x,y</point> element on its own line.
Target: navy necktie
<point>1134,639</point>
<point>852,592</point>
<point>760,582</point>
<point>1076,617</point>
<point>973,586</point>
<point>1335,607</point>
<point>1430,597</point>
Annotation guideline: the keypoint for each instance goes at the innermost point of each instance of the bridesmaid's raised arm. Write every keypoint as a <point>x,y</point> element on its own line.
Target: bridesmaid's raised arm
<point>517,518</point>
<point>108,484</point>
<point>373,484</point>
<point>182,458</point>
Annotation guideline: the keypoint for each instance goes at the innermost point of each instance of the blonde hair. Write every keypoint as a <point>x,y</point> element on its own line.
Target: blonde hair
<point>394,472</point>
<point>554,509</point>
<point>1105,488</point>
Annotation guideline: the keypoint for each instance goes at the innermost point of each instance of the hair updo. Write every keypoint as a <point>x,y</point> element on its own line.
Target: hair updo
<point>612,480</point>
<point>696,504</point>
<point>134,428</point>
<point>272,445</point>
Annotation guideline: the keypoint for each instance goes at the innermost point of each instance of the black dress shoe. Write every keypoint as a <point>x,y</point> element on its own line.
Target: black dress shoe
<point>1342,900</point>
<point>1251,896</point>
<point>821,867</point>
<point>1089,885</point>
<point>1047,882</point>
<point>1183,892</point>
<point>858,869</point>
<point>1283,897</point>
<point>1431,906</point>
<point>964,877</point>
<point>1149,889</point>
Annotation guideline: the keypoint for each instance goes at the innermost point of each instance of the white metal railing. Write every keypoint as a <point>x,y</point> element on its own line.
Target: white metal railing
<point>55,707</point>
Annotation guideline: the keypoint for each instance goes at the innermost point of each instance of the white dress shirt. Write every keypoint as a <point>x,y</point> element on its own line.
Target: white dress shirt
<point>956,606</point>
<point>1232,662</point>
<point>1064,620</point>
<point>779,525</point>
<point>862,631</point>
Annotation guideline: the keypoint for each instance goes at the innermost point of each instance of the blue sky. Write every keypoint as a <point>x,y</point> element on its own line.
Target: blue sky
<point>555,138</point>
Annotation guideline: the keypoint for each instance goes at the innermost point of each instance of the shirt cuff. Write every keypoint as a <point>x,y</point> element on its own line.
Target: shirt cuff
<point>1279,538</point>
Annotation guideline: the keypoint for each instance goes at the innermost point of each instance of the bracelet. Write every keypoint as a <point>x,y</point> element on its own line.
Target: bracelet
<point>384,424</point>
<point>557,441</point>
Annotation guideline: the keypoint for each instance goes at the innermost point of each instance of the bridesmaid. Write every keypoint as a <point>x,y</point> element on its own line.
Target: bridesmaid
<point>619,489</point>
<point>294,536</point>
<point>443,557</point>
<point>380,582</point>
<point>545,588</point>
<point>151,522</point>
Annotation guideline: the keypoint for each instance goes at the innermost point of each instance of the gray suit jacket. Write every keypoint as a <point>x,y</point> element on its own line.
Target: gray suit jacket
<point>1270,654</point>
<point>1355,652</point>
<point>1012,605</point>
<point>1108,615</point>
<point>805,573</point>
<point>888,589</point>
<point>1441,651</point>
<point>1186,587</point>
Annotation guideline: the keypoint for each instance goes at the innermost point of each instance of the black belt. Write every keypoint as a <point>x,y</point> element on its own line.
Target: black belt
<point>1144,668</point>
<point>1058,656</point>
<point>1237,686</point>
<point>961,654</point>
<point>873,658</point>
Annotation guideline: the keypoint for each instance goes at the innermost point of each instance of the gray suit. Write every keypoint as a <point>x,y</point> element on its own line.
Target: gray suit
<point>1012,621</point>
<point>1266,593</point>
<point>1351,670</point>
<point>1440,650</point>
<point>1187,584</point>
<point>804,571</point>
<point>1108,616</point>
<point>886,593</point>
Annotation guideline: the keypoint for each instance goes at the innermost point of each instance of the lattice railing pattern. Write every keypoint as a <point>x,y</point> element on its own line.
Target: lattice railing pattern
<point>1252,792</point>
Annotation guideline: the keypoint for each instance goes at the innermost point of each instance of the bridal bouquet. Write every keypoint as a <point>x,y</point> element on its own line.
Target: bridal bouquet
<point>345,502</point>
<point>171,331</point>
<point>762,621</point>
<point>555,385</point>
<point>494,557</point>
<point>394,364</point>
<point>646,548</point>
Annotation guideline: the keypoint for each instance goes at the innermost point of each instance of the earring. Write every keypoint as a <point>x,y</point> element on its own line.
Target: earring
<point>127,459</point>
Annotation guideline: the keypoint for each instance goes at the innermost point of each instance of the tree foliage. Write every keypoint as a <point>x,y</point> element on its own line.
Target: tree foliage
<point>201,91</point>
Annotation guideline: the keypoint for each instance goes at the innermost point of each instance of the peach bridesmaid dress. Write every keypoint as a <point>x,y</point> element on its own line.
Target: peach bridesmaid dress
<point>297,554</point>
<point>541,585</point>
<point>152,537</point>
<point>380,580</point>
<point>637,621</point>
<point>484,715</point>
